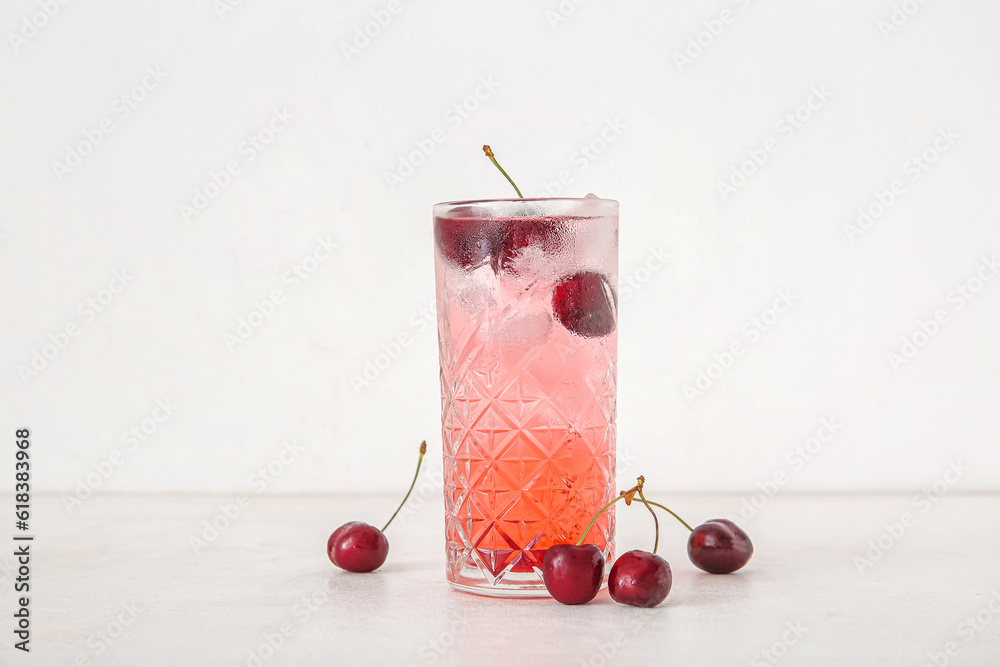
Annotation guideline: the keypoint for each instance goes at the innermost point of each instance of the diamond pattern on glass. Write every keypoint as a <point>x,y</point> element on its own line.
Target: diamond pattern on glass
<point>524,468</point>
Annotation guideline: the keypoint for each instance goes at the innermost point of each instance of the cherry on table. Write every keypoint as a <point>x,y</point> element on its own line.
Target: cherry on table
<point>719,546</point>
<point>573,574</point>
<point>357,547</point>
<point>360,547</point>
<point>640,579</point>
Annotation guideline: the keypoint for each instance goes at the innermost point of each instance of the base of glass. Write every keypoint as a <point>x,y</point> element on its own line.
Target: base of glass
<point>511,585</point>
<point>508,592</point>
<point>479,572</point>
<point>503,591</point>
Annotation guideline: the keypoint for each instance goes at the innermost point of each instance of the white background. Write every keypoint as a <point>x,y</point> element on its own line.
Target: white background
<point>683,128</point>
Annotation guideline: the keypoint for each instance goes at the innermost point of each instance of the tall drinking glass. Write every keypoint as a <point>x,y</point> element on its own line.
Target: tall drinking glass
<point>527,332</point>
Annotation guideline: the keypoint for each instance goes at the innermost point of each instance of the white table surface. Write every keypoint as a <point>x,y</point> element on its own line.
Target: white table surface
<point>127,560</point>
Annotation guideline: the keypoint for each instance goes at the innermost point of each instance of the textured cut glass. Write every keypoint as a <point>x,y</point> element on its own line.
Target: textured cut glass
<point>528,383</point>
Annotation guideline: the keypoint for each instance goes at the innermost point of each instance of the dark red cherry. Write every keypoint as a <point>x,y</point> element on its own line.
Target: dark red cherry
<point>519,235</point>
<point>465,237</point>
<point>573,574</point>
<point>719,546</point>
<point>640,579</point>
<point>585,304</point>
<point>357,547</point>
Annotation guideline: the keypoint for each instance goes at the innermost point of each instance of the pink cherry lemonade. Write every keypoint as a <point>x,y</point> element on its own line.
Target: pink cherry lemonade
<point>527,331</point>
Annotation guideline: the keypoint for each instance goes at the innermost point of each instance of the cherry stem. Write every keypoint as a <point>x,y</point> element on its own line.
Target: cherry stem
<point>594,520</point>
<point>656,521</point>
<point>662,507</point>
<point>627,495</point>
<point>423,450</point>
<point>489,154</point>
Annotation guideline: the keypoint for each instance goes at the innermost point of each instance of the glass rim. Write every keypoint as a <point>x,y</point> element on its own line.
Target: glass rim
<point>467,202</point>
<point>515,207</point>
